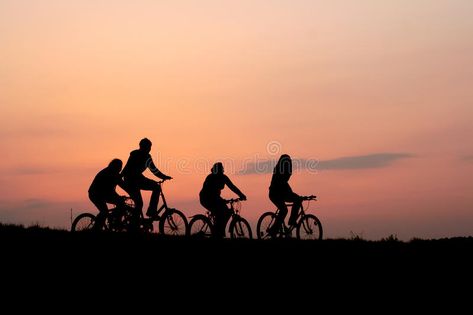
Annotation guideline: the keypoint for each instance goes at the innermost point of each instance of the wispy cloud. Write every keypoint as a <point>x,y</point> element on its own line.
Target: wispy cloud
<point>468,158</point>
<point>376,160</point>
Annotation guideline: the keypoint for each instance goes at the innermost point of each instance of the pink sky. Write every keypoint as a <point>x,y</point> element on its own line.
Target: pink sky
<point>378,92</point>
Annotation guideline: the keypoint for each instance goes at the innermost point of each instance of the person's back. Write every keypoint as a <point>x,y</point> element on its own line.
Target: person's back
<point>280,192</point>
<point>213,185</point>
<point>103,190</point>
<point>105,182</point>
<point>136,164</point>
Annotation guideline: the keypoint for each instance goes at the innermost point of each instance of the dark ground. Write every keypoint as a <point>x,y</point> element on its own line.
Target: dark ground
<point>287,271</point>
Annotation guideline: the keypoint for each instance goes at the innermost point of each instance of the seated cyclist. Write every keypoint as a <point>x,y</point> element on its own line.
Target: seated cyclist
<point>280,192</point>
<point>102,190</point>
<point>210,197</point>
<point>135,181</point>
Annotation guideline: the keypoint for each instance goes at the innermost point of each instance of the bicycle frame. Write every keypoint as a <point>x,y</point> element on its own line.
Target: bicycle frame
<point>300,215</point>
<point>164,206</point>
<point>161,212</point>
<point>235,213</point>
<point>237,226</point>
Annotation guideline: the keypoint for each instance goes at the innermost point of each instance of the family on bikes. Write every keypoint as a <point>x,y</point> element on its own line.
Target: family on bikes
<point>130,178</point>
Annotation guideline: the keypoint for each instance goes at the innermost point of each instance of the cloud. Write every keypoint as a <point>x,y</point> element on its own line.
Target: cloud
<point>258,167</point>
<point>376,160</point>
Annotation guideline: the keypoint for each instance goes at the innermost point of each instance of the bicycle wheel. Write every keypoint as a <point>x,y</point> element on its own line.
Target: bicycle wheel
<point>200,227</point>
<point>265,221</point>
<point>173,222</point>
<point>240,228</point>
<point>83,222</point>
<point>309,228</point>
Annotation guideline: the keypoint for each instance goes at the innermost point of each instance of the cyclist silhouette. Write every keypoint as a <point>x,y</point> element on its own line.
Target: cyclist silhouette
<point>135,181</point>
<point>210,197</point>
<point>280,192</point>
<point>102,190</point>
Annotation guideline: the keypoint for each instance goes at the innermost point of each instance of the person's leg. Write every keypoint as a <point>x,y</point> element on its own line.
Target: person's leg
<point>115,214</point>
<point>101,205</point>
<point>209,204</point>
<point>115,199</point>
<point>296,205</point>
<point>148,184</point>
<point>224,214</point>
<point>135,194</point>
<point>281,205</point>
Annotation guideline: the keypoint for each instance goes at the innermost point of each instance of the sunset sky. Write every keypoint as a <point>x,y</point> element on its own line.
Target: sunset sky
<point>372,99</point>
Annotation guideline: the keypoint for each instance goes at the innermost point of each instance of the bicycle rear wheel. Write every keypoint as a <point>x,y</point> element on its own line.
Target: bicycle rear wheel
<point>200,227</point>
<point>309,228</point>
<point>173,222</point>
<point>240,228</point>
<point>83,222</point>
<point>265,222</point>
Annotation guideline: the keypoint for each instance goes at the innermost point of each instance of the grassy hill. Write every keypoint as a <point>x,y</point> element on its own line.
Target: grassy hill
<point>42,241</point>
<point>41,259</point>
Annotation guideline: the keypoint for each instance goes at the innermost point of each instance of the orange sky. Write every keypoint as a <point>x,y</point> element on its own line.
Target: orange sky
<point>338,82</point>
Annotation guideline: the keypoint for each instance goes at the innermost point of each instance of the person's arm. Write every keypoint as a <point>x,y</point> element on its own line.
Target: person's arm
<point>234,188</point>
<point>121,183</point>
<point>290,192</point>
<point>155,170</point>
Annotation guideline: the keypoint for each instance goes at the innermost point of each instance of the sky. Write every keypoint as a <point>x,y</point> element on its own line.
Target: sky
<point>372,99</point>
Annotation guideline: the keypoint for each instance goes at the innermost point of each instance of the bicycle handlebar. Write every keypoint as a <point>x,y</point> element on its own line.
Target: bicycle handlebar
<point>233,200</point>
<point>311,197</point>
<point>163,180</point>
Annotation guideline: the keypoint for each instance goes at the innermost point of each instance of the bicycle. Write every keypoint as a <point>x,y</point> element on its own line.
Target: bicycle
<point>169,221</point>
<point>307,226</point>
<point>115,220</point>
<point>203,225</point>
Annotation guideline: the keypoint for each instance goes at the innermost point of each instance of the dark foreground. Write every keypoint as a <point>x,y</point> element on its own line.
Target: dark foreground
<point>151,263</point>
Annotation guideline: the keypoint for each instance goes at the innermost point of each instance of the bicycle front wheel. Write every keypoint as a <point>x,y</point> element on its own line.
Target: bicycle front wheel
<point>200,227</point>
<point>309,228</point>
<point>240,228</point>
<point>83,222</point>
<point>174,223</point>
<point>265,222</point>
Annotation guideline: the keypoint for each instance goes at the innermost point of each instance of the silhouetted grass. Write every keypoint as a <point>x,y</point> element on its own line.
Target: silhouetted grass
<point>152,263</point>
<point>47,239</point>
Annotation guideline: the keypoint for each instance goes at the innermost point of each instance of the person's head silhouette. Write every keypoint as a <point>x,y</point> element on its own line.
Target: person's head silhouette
<point>116,165</point>
<point>145,145</point>
<point>284,165</point>
<point>217,168</point>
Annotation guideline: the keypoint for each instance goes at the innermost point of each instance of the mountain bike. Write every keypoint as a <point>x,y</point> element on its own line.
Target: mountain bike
<point>307,226</point>
<point>203,225</point>
<point>168,221</point>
